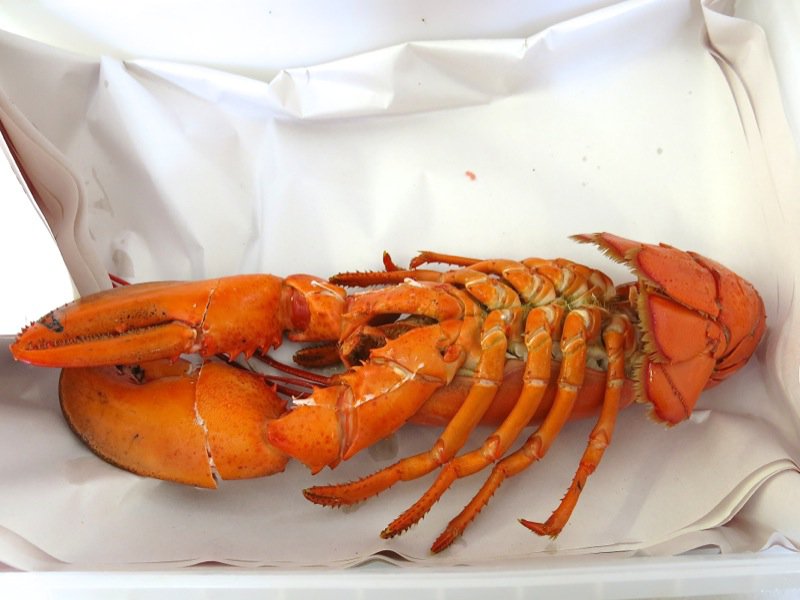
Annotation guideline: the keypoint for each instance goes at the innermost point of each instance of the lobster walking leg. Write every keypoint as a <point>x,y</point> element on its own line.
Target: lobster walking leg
<point>580,326</point>
<point>495,284</point>
<point>488,376</point>
<point>501,324</point>
<point>617,337</point>
<point>540,325</point>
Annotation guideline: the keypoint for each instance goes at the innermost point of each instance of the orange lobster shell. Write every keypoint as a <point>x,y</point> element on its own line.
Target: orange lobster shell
<point>497,342</point>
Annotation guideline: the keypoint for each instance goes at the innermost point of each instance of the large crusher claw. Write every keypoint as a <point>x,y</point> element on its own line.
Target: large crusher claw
<point>163,421</point>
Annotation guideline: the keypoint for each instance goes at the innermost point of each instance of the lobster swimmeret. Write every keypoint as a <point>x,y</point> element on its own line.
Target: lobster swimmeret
<point>489,341</point>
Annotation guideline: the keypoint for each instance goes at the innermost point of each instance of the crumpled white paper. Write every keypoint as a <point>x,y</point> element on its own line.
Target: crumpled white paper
<point>620,119</point>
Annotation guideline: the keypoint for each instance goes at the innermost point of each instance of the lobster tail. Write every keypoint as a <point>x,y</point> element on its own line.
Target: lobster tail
<point>700,322</point>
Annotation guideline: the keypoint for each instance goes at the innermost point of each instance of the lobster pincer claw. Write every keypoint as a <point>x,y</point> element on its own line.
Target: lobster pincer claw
<point>191,427</point>
<point>148,321</point>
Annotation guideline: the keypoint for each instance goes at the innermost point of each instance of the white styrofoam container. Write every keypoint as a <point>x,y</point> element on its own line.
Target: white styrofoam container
<point>771,573</point>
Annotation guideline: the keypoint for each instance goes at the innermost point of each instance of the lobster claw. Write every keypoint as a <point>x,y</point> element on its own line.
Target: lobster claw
<point>174,425</point>
<point>700,321</point>
<point>150,321</point>
<point>165,421</point>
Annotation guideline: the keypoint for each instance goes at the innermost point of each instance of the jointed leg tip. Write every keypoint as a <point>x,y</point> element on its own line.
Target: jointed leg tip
<point>534,526</point>
<point>441,544</point>
<point>397,527</point>
<point>312,495</point>
<point>542,529</point>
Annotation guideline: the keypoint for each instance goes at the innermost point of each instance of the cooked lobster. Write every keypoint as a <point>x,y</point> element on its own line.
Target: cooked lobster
<point>487,341</point>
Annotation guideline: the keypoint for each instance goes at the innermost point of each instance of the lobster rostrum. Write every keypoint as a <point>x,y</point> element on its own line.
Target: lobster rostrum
<point>487,342</point>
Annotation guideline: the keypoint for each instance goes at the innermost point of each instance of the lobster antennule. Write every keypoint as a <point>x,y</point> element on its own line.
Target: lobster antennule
<point>149,321</point>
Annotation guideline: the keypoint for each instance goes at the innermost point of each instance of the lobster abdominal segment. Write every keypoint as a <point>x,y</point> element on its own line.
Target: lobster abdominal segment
<point>489,341</point>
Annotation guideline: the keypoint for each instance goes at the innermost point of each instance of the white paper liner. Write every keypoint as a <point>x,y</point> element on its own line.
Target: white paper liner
<point>619,119</point>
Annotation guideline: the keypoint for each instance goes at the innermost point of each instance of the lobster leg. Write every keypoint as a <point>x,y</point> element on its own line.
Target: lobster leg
<point>579,326</point>
<point>374,399</point>
<point>488,377</point>
<point>500,327</point>
<point>617,337</point>
<point>540,326</point>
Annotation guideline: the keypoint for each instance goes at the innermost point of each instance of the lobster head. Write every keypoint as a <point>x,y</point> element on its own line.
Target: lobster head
<point>699,321</point>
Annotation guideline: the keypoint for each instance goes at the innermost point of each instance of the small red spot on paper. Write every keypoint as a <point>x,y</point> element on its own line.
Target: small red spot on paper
<point>471,175</point>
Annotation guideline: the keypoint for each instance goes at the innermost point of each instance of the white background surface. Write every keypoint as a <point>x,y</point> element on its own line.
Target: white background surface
<point>39,280</point>
<point>412,28</point>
